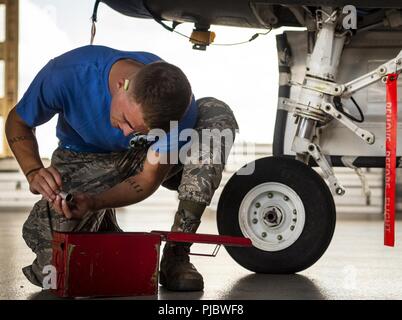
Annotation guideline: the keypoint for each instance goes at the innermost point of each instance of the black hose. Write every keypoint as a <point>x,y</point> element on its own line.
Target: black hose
<point>95,11</point>
<point>339,106</point>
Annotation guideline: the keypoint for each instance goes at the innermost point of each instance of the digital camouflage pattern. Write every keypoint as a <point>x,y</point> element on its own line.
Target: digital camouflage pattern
<point>81,172</point>
<point>198,180</point>
<point>96,172</point>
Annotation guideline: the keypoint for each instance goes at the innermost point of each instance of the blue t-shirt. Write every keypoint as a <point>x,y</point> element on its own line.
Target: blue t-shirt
<point>75,86</point>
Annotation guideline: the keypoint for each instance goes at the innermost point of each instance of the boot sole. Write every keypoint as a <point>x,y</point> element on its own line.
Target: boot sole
<point>184,285</point>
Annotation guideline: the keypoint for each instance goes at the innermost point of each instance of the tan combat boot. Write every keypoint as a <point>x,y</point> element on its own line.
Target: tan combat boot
<point>177,273</point>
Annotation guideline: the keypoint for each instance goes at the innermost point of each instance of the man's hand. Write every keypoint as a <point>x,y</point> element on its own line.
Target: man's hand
<point>81,204</point>
<point>45,181</point>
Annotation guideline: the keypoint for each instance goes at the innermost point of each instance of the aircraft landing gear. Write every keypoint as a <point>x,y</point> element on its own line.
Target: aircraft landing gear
<point>285,207</point>
<point>287,211</point>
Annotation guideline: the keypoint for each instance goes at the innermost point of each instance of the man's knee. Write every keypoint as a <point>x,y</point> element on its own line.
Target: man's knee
<point>214,113</point>
<point>202,172</point>
<point>216,127</point>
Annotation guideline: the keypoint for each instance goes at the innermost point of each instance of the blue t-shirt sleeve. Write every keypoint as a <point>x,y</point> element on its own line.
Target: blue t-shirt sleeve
<point>42,99</point>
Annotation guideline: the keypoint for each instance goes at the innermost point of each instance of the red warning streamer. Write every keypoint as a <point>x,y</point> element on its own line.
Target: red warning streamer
<point>390,159</point>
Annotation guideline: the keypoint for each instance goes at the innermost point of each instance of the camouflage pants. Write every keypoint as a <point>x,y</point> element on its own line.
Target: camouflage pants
<point>96,172</point>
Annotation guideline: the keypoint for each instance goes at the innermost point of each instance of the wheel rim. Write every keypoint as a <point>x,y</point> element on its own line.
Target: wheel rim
<point>272,215</point>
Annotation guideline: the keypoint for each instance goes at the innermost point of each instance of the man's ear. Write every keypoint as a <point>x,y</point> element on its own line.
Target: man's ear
<point>120,83</point>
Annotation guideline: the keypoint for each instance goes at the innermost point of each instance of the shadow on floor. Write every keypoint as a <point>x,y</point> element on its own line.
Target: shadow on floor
<point>165,294</point>
<point>274,287</point>
<point>250,287</point>
<point>47,295</point>
<point>44,295</point>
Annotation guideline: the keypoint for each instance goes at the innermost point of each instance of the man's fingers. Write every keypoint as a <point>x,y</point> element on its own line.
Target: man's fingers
<point>66,210</point>
<point>42,187</point>
<point>43,193</point>
<point>46,181</point>
<point>57,205</point>
<point>56,176</point>
<point>50,180</point>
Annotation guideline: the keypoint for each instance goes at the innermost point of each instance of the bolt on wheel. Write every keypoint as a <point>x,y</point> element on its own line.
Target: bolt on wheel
<point>287,211</point>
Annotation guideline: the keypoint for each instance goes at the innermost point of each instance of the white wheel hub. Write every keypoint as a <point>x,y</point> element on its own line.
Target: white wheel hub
<point>272,215</point>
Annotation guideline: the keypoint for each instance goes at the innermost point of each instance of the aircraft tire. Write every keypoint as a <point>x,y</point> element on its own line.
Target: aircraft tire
<point>285,208</point>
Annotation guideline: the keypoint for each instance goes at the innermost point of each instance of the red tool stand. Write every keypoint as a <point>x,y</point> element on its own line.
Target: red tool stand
<point>117,264</point>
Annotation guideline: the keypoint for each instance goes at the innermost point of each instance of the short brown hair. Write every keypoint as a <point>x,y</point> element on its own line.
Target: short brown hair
<point>163,91</point>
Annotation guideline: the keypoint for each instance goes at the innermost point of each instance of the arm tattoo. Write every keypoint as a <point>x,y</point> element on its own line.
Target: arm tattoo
<point>20,138</point>
<point>131,181</point>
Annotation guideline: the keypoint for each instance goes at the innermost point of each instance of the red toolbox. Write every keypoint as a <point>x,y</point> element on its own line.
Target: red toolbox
<point>117,264</point>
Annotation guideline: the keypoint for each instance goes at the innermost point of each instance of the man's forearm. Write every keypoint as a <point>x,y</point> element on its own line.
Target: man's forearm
<point>132,190</point>
<point>23,143</point>
<point>136,188</point>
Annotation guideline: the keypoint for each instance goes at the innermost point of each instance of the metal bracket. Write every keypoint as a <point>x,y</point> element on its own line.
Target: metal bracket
<point>365,135</point>
<point>323,86</point>
<point>393,65</point>
<point>335,186</point>
<point>213,254</point>
<point>301,145</point>
<point>299,108</point>
<point>348,89</point>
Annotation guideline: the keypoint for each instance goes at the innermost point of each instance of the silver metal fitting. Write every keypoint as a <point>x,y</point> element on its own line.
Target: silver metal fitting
<point>66,196</point>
